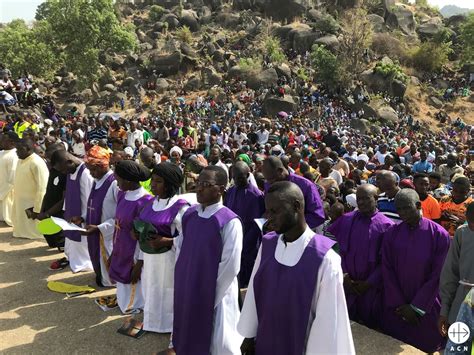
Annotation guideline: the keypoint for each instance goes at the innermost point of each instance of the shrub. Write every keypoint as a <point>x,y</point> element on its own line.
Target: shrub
<point>393,71</point>
<point>184,34</point>
<point>274,51</point>
<point>156,12</point>
<point>326,66</point>
<point>250,64</point>
<point>327,24</point>
<point>430,56</point>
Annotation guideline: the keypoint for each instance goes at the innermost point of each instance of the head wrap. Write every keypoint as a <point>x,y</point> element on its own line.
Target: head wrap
<point>245,158</point>
<point>177,150</point>
<point>131,171</point>
<point>363,157</point>
<point>172,175</point>
<point>128,151</point>
<point>97,156</point>
<point>407,184</point>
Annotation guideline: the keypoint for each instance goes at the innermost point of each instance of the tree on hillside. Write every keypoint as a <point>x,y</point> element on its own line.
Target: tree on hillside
<point>467,39</point>
<point>355,40</point>
<point>83,29</point>
<point>326,66</point>
<point>26,49</point>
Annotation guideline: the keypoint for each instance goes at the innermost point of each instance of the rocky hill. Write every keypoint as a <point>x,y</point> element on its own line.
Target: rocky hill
<point>196,46</point>
<point>453,10</point>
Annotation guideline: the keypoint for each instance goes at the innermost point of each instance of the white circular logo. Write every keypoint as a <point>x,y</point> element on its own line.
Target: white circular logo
<point>459,332</point>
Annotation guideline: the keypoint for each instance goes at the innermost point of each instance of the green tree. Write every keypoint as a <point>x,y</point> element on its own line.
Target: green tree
<point>467,39</point>
<point>326,66</point>
<point>274,51</point>
<point>25,49</point>
<point>431,56</point>
<point>83,29</point>
<point>155,13</point>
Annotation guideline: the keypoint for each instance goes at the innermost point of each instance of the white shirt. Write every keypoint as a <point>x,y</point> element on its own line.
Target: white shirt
<point>239,138</point>
<point>329,330</point>
<point>78,149</point>
<point>262,137</point>
<point>381,157</point>
<point>336,175</point>
<point>133,136</point>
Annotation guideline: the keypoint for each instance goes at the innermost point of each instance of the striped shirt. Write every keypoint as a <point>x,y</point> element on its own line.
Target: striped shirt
<point>387,207</point>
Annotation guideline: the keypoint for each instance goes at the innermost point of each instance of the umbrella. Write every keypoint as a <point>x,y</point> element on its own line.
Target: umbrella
<point>181,99</point>
<point>282,114</point>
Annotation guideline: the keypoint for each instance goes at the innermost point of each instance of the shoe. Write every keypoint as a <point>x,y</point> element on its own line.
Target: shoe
<point>59,264</point>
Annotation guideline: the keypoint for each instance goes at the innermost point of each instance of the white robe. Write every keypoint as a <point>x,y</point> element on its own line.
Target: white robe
<point>329,330</point>
<point>31,179</point>
<point>77,252</point>
<point>130,296</point>
<point>8,163</point>
<point>107,224</point>
<point>225,337</point>
<point>158,277</point>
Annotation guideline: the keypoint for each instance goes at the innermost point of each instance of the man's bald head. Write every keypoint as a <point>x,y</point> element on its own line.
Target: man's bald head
<point>240,171</point>
<point>274,170</point>
<point>147,157</point>
<point>64,162</point>
<point>366,196</point>
<point>408,205</point>
<point>287,192</point>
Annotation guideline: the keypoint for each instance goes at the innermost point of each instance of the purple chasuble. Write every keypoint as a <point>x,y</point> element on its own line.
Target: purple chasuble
<point>94,217</point>
<point>72,202</point>
<point>162,220</point>
<point>195,280</point>
<point>248,203</point>
<point>313,206</point>
<point>360,246</point>
<point>124,245</point>
<point>411,265</point>
<point>284,294</point>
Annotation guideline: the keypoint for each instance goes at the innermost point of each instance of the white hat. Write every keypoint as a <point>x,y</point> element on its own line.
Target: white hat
<point>363,157</point>
<point>48,122</point>
<point>128,151</point>
<point>177,150</point>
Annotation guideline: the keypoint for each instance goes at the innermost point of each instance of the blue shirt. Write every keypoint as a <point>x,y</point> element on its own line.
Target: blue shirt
<point>422,167</point>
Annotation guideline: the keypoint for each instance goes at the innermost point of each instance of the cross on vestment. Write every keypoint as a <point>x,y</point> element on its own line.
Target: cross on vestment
<point>90,209</point>
<point>117,229</point>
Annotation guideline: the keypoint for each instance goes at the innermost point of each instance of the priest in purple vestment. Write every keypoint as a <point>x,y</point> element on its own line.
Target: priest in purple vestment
<point>274,170</point>
<point>360,235</point>
<point>413,254</point>
<point>206,309</point>
<point>247,201</point>
<point>126,261</point>
<point>295,301</point>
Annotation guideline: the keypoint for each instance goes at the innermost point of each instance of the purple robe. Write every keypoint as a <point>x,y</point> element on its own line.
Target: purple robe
<point>313,206</point>
<point>162,220</point>
<point>283,296</point>
<point>195,280</point>
<point>124,244</point>
<point>248,203</point>
<point>411,265</point>
<point>94,217</point>
<point>360,247</point>
<point>72,202</point>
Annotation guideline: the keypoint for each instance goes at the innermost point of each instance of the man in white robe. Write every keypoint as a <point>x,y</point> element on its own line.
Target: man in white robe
<point>31,180</point>
<point>311,320</point>
<point>8,163</point>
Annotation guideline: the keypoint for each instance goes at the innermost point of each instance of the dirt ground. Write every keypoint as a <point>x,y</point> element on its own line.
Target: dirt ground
<point>34,320</point>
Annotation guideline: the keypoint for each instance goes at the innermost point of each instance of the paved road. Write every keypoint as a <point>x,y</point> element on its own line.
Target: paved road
<point>34,320</point>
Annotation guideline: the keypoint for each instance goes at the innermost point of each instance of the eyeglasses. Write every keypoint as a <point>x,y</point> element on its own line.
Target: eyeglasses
<point>205,184</point>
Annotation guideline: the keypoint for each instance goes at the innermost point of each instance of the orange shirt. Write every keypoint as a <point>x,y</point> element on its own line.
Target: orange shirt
<point>459,210</point>
<point>430,208</point>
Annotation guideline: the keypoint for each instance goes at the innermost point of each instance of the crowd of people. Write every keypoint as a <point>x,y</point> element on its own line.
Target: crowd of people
<point>182,208</point>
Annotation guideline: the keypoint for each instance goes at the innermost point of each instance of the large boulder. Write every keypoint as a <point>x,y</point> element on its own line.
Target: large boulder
<point>361,125</point>
<point>69,106</point>
<point>265,78</point>
<point>430,28</point>
<point>398,88</point>
<point>193,83</point>
<point>387,114</point>
<point>435,102</point>
<point>190,19</point>
<point>210,77</point>
<point>273,104</point>
<point>167,64</point>
<point>161,85</point>
<point>286,9</point>
<point>228,19</point>
<point>378,22</point>
<point>283,70</point>
<point>329,41</point>
<point>402,17</point>
<point>304,40</point>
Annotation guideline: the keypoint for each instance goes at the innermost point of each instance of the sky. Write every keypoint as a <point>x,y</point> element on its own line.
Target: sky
<point>25,9</point>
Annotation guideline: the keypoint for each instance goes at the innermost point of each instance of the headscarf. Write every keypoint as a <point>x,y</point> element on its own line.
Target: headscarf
<point>97,156</point>
<point>131,171</point>
<point>172,175</point>
<point>245,158</point>
<point>177,150</point>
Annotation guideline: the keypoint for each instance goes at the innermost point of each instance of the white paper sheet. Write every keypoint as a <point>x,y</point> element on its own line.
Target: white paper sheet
<point>260,222</point>
<point>66,226</point>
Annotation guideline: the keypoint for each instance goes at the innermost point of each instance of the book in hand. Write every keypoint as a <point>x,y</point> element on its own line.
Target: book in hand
<point>132,328</point>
